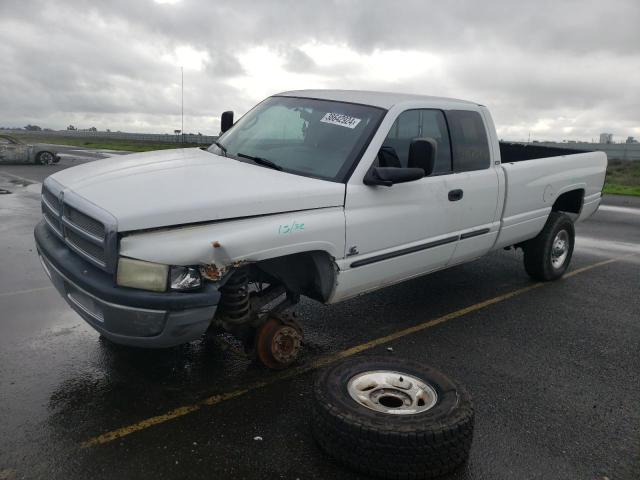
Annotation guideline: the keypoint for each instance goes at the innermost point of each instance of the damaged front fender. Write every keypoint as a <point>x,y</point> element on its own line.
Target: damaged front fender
<point>219,247</point>
<point>215,273</point>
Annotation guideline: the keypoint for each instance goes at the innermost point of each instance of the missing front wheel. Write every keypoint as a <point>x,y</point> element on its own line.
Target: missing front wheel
<point>258,314</point>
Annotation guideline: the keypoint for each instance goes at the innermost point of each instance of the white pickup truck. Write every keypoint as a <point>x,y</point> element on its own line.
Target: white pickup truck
<point>328,194</point>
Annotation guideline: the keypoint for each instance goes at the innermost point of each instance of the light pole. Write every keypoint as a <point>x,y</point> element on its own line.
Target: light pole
<point>182,103</point>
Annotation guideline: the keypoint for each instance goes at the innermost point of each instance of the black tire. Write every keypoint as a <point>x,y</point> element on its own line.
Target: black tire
<point>538,259</point>
<point>415,446</point>
<point>45,158</point>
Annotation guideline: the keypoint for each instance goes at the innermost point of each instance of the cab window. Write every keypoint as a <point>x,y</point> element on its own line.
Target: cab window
<point>412,124</point>
<point>469,141</point>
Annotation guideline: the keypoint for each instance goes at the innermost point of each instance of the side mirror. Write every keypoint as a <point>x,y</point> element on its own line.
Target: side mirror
<point>226,121</point>
<point>422,154</point>
<point>387,176</point>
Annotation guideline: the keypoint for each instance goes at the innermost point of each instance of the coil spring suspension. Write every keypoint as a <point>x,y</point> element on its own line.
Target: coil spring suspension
<point>234,301</point>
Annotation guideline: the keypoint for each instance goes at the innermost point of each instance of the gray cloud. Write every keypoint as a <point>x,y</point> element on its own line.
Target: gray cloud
<point>572,66</point>
<point>298,61</point>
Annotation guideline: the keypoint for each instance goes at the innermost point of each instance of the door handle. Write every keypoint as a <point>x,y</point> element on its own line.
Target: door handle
<point>455,195</point>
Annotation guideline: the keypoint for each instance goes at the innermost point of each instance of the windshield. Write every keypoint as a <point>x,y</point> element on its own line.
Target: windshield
<point>316,138</point>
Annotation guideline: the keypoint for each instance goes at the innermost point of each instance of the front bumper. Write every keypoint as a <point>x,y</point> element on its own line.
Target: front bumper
<point>126,316</point>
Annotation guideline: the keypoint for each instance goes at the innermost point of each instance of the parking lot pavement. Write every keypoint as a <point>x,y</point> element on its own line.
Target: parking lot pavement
<point>554,370</point>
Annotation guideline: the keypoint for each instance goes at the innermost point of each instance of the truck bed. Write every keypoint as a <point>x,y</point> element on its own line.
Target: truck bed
<point>517,152</point>
<point>534,182</point>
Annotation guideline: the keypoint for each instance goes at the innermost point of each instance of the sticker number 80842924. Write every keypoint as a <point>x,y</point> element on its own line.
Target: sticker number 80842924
<point>341,120</point>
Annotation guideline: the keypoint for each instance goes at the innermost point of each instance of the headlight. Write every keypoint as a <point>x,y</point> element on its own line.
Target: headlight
<point>153,276</point>
<point>144,275</point>
<point>184,278</point>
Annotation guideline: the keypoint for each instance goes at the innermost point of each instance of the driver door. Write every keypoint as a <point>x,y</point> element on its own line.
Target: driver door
<point>406,230</point>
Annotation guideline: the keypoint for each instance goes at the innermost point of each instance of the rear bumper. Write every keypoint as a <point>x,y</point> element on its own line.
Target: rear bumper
<point>126,316</point>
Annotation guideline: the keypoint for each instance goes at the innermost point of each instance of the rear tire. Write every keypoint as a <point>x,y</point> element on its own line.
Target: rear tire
<point>547,256</point>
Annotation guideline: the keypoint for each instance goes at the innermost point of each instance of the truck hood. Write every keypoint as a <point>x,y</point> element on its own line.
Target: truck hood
<point>172,187</point>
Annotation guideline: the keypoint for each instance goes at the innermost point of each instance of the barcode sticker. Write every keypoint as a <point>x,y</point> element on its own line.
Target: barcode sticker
<point>340,119</point>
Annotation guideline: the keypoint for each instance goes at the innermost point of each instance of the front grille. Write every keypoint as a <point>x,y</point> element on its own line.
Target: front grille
<point>84,222</point>
<point>85,228</point>
<point>89,248</point>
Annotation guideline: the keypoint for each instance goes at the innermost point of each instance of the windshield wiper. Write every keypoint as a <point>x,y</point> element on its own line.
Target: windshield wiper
<point>261,161</point>
<point>221,147</point>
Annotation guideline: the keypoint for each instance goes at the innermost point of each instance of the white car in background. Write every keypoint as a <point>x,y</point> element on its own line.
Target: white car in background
<point>13,150</point>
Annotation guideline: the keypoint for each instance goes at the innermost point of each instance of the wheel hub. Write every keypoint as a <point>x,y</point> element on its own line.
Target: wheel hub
<point>392,392</point>
<point>278,342</point>
<point>559,249</point>
<point>285,344</point>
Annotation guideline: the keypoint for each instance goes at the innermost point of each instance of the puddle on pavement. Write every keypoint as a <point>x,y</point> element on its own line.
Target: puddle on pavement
<point>20,182</point>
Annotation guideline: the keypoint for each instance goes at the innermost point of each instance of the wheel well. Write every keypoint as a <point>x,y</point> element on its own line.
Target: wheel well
<point>569,202</point>
<point>312,274</point>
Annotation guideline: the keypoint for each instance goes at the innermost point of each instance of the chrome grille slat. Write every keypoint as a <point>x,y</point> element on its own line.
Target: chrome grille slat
<point>54,208</point>
<point>50,205</point>
<point>83,233</point>
<point>51,200</point>
<point>52,221</point>
<point>85,222</point>
<point>88,248</point>
<point>46,207</point>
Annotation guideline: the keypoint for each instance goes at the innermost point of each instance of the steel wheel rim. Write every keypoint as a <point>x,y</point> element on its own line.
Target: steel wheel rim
<point>559,249</point>
<point>46,158</point>
<point>392,392</point>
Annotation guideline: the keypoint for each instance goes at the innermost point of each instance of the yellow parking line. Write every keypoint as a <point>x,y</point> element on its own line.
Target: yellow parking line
<point>321,362</point>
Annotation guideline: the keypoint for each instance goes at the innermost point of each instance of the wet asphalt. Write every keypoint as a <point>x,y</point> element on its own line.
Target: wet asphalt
<point>554,371</point>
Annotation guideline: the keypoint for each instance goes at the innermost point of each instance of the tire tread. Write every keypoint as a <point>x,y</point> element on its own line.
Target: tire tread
<point>537,251</point>
<point>427,450</point>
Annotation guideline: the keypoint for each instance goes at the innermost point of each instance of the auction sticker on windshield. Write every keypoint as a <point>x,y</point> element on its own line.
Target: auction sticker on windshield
<point>340,119</point>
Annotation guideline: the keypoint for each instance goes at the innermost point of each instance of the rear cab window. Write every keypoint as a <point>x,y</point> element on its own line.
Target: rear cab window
<point>469,142</point>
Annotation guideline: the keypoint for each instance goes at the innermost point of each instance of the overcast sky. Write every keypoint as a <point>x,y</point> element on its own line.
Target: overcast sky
<point>559,69</point>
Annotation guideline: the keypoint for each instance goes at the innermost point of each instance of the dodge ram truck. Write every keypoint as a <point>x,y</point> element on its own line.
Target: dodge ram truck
<point>327,194</point>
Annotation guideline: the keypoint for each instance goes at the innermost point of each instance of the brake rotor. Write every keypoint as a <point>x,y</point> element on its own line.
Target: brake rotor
<point>278,343</point>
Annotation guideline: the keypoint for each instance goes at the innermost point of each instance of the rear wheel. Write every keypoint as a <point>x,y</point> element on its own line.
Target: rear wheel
<point>547,256</point>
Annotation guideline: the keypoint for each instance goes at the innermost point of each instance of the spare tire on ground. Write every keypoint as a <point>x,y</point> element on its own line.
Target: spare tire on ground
<point>392,418</point>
